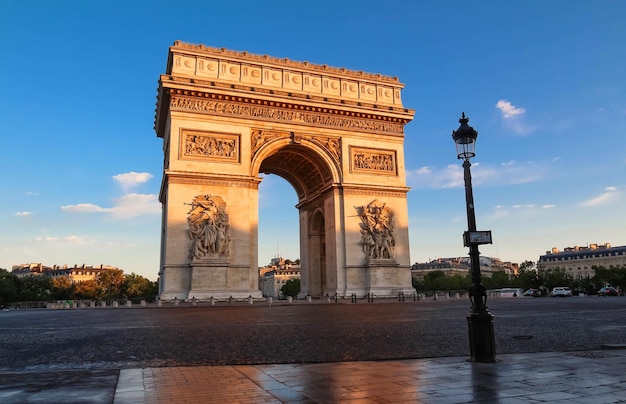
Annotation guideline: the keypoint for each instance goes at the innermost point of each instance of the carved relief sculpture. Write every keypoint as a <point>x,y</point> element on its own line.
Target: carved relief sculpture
<point>373,160</point>
<point>377,230</point>
<point>211,146</point>
<point>208,228</point>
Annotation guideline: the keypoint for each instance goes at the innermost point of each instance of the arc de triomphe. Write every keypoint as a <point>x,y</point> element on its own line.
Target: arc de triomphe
<point>335,135</point>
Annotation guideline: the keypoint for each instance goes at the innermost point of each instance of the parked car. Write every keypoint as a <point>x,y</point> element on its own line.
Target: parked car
<point>608,291</point>
<point>533,292</point>
<point>561,291</point>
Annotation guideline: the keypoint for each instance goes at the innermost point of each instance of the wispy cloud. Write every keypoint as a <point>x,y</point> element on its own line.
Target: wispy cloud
<point>127,206</point>
<point>509,110</point>
<point>512,117</point>
<point>610,195</point>
<point>23,213</point>
<point>131,179</point>
<point>451,176</point>
<point>66,240</point>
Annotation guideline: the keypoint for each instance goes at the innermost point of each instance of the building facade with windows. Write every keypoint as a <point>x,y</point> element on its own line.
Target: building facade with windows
<point>461,266</point>
<point>75,274</point>
<point>579,261</point>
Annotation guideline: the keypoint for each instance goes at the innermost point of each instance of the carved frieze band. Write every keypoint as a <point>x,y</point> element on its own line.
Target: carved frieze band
<point>209,145</point>
<point>373,161</point>
<point>319,119</point>
<point>373,192</point>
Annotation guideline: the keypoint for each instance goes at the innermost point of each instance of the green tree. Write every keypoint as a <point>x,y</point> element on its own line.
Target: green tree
<point>435,280</point>
<point>110,282</point>
<point>86,290</point>
<point>555,277</point>
<point>498,280</point>
<point>35,288</point>
<point>136,287</point>
<point>291,288</point>
<point>62,288</point>
<point>9,287</point>
<point>612,276</point>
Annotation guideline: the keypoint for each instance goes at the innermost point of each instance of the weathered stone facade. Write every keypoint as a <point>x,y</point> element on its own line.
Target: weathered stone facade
<point>335,135</point>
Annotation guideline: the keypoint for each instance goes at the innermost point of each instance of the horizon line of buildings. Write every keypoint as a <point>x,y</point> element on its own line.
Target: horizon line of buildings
<point>76,273</point>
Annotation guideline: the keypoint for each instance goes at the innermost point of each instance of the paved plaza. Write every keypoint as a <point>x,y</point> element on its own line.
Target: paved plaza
<point>549,350</point>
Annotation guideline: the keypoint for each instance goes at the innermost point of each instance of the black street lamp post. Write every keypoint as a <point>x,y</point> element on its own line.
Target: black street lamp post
<point>479,319</point>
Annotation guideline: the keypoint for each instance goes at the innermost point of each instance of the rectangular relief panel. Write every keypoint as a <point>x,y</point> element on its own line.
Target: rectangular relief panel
<point>212,146</point>
<point>373,161</point>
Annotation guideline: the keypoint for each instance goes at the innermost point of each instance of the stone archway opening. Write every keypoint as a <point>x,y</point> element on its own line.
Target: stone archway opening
<point>310,176</point>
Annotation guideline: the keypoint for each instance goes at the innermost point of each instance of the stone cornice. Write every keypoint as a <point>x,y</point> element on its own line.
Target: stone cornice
<point>277,111</point>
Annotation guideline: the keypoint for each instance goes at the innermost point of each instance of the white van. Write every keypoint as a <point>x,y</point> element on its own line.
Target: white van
<point>511,292</point>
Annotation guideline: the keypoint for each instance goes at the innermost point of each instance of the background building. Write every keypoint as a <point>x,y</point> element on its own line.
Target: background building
<point>76,273</point>
<point>579,261</point>
<point>461,266</point>
<point>275,275</point>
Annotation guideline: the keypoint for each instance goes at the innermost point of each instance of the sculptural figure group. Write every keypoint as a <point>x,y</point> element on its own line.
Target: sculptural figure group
<point>208,228</point>
<point>377,236</point>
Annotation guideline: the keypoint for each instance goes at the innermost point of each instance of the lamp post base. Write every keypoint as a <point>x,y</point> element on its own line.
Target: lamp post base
<point>482,339</point>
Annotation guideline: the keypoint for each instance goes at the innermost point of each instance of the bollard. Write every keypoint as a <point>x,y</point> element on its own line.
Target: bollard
<point>457,295</point>
<point>92,304</point>
<point>250,300</point>
<point>289,299</point>
<point>143,303</point>
<point>115,304</point>
<point>308,298</point>
<point>212,301</point>
<point>159,303</point>
<point>129,303</point>
<point>270,300</point>
<point>103,304</point>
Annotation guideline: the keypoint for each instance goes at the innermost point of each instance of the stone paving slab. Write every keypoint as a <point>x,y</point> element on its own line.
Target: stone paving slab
<point>554,377</point>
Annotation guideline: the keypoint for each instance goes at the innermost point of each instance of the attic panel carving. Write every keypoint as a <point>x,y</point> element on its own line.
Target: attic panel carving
<point>209,146</point>
<point>373,161</point>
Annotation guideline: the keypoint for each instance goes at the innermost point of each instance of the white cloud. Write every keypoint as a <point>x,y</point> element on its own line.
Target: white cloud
<point>84,207</point>
<point>509,110</point>
<point>127,206</point>
<point>451,176</point>
<point>513,118</point>
<point>131,179</point>
<point>610,194</point>
<point>132,205</point>
<point>548,206</point>
<point>71,240</point>
<point>23,213</point>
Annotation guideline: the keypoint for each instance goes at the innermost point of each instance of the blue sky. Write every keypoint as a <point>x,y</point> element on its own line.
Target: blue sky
<point>542,81</point>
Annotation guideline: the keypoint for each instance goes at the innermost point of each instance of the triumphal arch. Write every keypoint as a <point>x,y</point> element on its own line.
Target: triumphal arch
<point>335,135</point>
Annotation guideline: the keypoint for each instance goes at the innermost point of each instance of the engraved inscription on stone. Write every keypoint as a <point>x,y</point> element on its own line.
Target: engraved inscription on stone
<point>209,145</point>
<point>375,161</point>
<point>377,235</point>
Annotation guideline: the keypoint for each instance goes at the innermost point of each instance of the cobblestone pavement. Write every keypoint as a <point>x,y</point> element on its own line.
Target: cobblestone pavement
<point>127,354</point>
